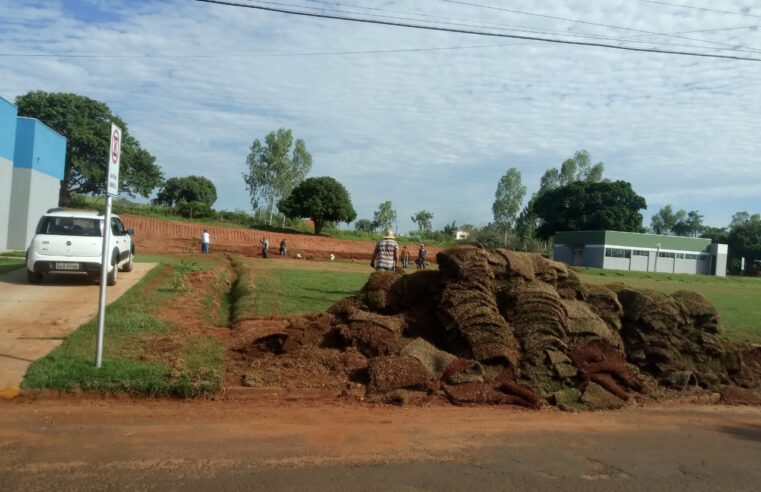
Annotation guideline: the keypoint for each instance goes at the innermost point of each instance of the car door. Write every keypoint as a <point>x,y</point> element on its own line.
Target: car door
<point>118,235</point>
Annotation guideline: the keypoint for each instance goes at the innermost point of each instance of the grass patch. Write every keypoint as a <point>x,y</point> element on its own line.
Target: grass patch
<point>736,298</point>
<point>242,298</point>
<point>13,254</point>
<point>131,323</point>
<point>8,264</point>
<point>280,288</point>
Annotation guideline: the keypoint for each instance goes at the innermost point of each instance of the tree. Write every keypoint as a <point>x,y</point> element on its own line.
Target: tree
<point>679,223</point>
<point>274,170</point>
<point>490,236</point>
<point>580,206</point>
<point>745,238</point>
<point>423,220</point>
<point>739,218</point>
<point>549,181</point>
<point>576,168</point>
<point>385,216</point>
<point>663,221</point>
<point>320,199</point>
<point>717,235</point>
<point>694,223</point>
<point>365,225</point>
<point>450,230</point>
<point>86,124</point>
<point>507,201</point>
<point>188,189</point>
<point>580,168</point>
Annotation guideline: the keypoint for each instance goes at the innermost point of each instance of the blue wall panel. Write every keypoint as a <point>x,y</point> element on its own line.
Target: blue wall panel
<point>8,114</point>
<point>39,148</point>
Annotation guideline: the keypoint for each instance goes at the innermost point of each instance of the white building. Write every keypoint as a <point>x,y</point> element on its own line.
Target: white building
<point>641,252</point>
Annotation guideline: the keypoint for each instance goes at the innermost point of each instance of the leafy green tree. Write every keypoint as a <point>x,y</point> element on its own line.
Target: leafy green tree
<point>195,209</point>
<point>664,220</point>
<point>694,223</point>
<point>580,168</point>
<point>583,206</point>
<point>189,189</point>
<point>745,238</point>
<point>549,181</point>
<point>490,236</point>
<point>739,218</point>
<point>321,199</point>
<point>423,220</point>
<point>450,230</point>
<point>717,235</point>
<point>86,124</point>
<point>365,225</point>
<point>385,216</point>
<point>507,201</point>
<point>275,167</point>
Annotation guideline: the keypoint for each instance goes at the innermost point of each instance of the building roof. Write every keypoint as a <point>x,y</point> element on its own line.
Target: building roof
<point>632,240</point>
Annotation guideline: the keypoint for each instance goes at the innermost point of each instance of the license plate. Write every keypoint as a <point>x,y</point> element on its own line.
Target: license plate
<point>67,266</point>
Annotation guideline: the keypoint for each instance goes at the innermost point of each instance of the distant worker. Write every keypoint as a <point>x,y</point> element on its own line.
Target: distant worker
<point>265,245</point>
<point>386,253</point>
<point>283,247</point>
<point>205,242</point>
<point>421,254</point>
<point>405,257</point>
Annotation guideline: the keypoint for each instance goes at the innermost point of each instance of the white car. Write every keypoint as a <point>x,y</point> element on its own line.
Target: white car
<point>71,241</point>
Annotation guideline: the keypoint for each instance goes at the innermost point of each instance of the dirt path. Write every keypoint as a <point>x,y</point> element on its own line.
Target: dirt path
<point>227,445</point>
<point>36,318</point>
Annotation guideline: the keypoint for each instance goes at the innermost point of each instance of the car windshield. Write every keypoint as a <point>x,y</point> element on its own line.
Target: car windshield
<point>69,226</point>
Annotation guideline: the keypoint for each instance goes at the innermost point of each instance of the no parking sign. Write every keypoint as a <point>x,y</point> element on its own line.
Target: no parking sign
<point>114,155</point>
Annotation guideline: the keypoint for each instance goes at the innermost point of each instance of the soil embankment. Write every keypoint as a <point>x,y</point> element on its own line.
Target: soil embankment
<point>168,236</point>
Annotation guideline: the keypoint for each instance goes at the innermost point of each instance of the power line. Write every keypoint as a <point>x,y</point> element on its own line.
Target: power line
<point>631,39</point>
<point>255,55</point>
<point>704,9</point>
<point>597,24</point>
<point>477,33</point>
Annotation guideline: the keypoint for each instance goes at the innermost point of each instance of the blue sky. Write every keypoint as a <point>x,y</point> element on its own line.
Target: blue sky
<point>432,129</point>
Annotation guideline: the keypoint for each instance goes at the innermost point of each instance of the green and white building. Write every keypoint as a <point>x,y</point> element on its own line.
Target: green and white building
<point>641,252</point>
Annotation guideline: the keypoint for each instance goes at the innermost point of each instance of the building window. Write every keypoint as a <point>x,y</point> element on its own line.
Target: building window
<point>640,252</point>
<point>691,257</point>
<point>617,253</point>
<point>664,254</point>
<point>680,256</point>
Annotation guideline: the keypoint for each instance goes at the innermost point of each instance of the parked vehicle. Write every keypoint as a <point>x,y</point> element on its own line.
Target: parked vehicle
<point>71,241</point>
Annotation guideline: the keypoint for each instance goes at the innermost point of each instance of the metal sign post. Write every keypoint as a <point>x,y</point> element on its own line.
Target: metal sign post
<point>112,189</point>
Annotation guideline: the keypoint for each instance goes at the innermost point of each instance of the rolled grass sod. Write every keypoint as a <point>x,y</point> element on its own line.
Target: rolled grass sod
<point>736,298</point>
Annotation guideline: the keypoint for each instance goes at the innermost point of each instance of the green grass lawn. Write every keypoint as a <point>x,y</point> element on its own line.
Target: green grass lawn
<point>132,326</point>
<point>9,263</point>
<point>285,287</point>
<point>738,299</point>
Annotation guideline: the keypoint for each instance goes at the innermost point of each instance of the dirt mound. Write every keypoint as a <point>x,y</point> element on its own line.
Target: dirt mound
<point>502,327</point>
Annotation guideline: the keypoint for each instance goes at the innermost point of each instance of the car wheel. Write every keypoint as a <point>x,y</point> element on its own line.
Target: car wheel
<point>33,277</point>
<point>112,275</point>
<point>128,266</point>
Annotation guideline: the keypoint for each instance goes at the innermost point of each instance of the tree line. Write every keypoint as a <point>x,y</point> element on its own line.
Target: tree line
<point>573,196</point>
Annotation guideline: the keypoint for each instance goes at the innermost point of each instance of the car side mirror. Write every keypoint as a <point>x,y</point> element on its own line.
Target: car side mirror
<point>131,232</point>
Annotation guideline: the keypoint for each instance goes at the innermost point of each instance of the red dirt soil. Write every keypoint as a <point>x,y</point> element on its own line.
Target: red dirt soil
<point>166,236</point>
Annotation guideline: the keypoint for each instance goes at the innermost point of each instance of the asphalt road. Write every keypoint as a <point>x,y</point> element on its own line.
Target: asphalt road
<point>34,319</point>
<point>227,445</point>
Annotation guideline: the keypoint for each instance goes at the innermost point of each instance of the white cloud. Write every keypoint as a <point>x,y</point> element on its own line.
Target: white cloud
<point>432,129</point>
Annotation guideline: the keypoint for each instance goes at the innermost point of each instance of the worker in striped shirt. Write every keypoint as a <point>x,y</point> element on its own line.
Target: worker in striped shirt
<point>386,253</point>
